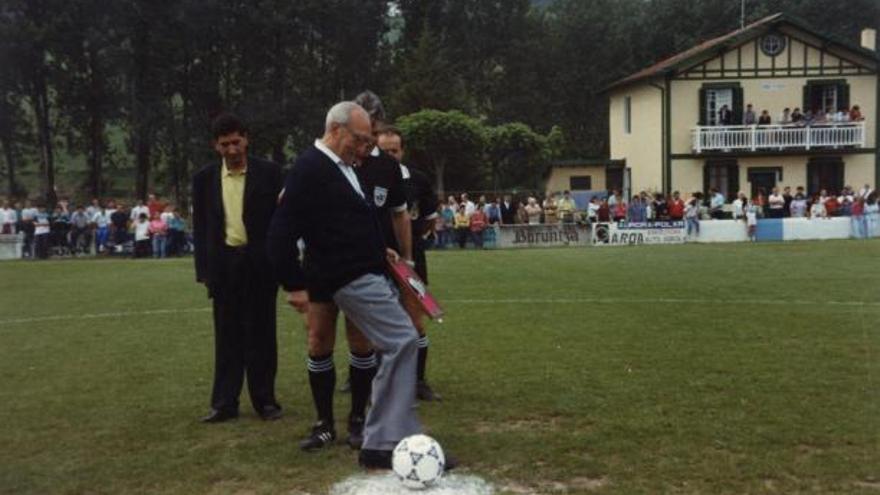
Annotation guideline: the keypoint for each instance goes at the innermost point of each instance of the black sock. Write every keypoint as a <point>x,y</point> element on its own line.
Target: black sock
<point>423,358</point>
<point>322,378</point>
<point>361,370</point>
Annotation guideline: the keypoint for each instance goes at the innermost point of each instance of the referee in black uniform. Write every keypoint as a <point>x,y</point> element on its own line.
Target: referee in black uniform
<point>422,203</point>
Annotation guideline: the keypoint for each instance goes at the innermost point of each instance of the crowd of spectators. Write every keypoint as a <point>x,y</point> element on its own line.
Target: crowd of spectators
<point>794,117</point>
<point>461,222</point>
<point>862,207</point>
<point>156,228</point>
<point>107,227</point>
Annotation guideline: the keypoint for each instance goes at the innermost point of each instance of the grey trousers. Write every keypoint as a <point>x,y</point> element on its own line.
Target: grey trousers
<point>371,302</point>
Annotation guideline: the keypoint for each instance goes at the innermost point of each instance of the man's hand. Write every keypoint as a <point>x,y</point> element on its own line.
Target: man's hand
<point>391,255</point>
<point>299,299</point>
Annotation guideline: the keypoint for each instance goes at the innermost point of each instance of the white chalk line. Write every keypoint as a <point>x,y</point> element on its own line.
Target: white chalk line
<point>665,300</point>
<point>95,316</point>
<point>577,300</point>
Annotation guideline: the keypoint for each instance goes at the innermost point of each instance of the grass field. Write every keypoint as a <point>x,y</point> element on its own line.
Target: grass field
<point>712,369</point>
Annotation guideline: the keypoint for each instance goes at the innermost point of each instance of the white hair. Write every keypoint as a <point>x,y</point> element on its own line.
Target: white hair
<point>341,112</point>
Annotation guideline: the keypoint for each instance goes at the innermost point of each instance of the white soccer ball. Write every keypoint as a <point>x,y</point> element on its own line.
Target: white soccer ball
<point>418,461</point>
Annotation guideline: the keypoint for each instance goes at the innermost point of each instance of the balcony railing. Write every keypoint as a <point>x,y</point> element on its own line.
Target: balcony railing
<point>778,137</point>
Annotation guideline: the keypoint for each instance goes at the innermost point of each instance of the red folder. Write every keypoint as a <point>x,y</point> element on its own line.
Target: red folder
<point>412,284</point>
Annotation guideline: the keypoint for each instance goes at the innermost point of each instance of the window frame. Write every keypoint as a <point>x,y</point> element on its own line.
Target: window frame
<point>729,168</point>
<point>707,118</point>
<point>589,182</point>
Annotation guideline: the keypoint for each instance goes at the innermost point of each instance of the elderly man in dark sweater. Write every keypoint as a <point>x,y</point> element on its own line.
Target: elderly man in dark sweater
<point>323,204</point>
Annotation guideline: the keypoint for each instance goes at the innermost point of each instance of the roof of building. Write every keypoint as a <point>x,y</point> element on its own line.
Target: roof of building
<point>686,58</point>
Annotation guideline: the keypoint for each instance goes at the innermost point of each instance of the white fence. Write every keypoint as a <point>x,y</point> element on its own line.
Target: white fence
<point>777,137</point>
<point>10,246</point>
<point>529,236</point>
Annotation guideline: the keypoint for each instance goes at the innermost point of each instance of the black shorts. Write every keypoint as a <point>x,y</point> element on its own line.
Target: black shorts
<point>318,295</point>
<point>420,261</point>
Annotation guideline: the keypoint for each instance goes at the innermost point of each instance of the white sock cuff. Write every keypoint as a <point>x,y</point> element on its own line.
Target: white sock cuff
<point>320,366</point>
<point>362,362</point>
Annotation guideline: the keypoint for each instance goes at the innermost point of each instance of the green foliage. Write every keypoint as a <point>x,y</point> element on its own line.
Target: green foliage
<point>79,73</point>
<point>464,153</point>
<point>428,79</point>
<point>448,143</point>
<point>515,154</point>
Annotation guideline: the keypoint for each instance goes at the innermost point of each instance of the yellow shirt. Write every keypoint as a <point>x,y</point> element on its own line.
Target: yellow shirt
<point>566,205</point>
<point>232,182</point>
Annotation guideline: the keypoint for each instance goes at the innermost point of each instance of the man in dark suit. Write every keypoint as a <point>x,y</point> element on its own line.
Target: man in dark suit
<point>725,116</point>
<point>233,202</point>
<point>508,211</point>
<point>325,205</point>
<point>380,180</point>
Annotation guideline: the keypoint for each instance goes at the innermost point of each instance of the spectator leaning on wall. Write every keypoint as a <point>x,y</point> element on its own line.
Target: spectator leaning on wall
<point>566,208</point>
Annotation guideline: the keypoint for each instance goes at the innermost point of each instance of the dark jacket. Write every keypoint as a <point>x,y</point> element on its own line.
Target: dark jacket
<point>422,203</point>
<point>340,228</point>
<point>262,185</point>
<point>508,213</point>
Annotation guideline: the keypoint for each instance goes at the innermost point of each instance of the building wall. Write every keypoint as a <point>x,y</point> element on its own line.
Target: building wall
<point>643,148</point>
<point>859,170</point>
<point>772,94</point>
<point>687,174</point>
<point>559,178</point>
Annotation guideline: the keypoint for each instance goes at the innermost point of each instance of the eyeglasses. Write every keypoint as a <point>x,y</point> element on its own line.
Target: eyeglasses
<point>360,138</point>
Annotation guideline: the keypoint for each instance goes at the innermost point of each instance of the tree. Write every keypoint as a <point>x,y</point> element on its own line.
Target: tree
<point>13,133</point>
<point>88,87</point>
<point>27,33</point>
<point>515,154</point>
<point>449,143</point>
<point>159,71</point>
<point>426,78</point>
<point>150,47</point>
<point>476,39</point>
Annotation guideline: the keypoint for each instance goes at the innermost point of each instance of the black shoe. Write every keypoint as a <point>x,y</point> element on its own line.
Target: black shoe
<point>424,392</point>
<point>322,435</point>
<point>270,413</point>
<point>218,416</point>
<point>346,387</point>
<point>375,459</point>
<point>451,462</point>
<point>355,432</point>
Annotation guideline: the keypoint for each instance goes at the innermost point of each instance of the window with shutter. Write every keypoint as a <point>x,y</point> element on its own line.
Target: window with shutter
<point>825,172</point>
<point>737,106</point>
<point>703,113</point>
<point>843,96</point>
<point>714,96</point>
<point>826,95</point>
<point>721,174</point>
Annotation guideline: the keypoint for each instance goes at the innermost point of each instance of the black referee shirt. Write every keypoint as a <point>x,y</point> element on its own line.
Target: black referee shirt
<point>382,183</point>
<point>421,200</point>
